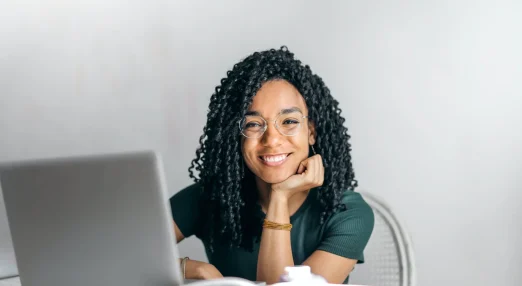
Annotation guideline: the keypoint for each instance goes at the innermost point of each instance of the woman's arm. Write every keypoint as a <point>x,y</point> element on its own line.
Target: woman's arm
<point>333,268</point>
<point>275,251</point>
<point>185,210</point>
<point>196,269</point>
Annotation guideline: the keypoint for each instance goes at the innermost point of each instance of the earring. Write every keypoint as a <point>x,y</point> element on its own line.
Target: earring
<point>313,150</point>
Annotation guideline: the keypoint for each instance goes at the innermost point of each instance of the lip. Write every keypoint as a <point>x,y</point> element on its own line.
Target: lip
<point>274,164</point>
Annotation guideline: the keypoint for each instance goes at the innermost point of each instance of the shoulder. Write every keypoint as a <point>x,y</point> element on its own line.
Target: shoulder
<point>357,217</point>
<point>355,201</point>
<point>186,201</point>
<point>348,231</point>
<point>184,206</point>
<point>190,192</point>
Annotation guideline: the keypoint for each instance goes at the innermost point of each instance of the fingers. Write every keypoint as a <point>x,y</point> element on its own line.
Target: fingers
<point>319,170</point>
<point>313,170</point>
<point>302,167</point>
<point>310,174</point>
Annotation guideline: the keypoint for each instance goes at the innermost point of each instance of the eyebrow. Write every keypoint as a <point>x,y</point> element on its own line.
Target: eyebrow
<point>283,111</point>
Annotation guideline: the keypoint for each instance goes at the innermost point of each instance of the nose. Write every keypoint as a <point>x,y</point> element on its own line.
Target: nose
<point>271,137</point>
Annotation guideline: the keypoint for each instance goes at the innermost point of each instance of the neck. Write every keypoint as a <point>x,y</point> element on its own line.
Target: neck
<point>265,189</point>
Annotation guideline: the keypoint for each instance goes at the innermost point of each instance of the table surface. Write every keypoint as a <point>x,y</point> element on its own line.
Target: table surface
<point>15,281</point>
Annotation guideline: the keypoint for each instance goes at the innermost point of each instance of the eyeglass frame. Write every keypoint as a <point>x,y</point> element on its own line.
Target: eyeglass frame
<point>275,124</point>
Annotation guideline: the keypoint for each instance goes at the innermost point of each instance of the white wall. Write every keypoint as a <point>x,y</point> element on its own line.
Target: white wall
<point>80,79</point>
<point>432,93</point>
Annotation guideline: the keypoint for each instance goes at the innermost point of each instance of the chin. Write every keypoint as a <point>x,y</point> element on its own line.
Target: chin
<point>274,178</point>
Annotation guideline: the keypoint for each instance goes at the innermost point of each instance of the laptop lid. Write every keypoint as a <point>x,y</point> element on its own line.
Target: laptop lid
<point>92,220</point>
<point>7,256</point>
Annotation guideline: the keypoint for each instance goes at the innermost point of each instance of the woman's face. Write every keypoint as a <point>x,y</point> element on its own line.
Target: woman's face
<point>274,157</point>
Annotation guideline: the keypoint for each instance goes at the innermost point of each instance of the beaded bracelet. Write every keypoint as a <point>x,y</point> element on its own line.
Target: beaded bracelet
<point>278,226</point>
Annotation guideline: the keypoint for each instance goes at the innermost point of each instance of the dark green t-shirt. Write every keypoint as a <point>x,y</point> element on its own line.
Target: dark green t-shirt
<point>344,233</point>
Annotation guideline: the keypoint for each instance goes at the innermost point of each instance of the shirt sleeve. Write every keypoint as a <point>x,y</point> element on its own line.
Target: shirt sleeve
<point>185,209</point>
<point>347,232</point>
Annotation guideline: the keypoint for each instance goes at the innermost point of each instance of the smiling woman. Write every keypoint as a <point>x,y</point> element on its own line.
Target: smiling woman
<point>276,152</point>
<point>276,186</point>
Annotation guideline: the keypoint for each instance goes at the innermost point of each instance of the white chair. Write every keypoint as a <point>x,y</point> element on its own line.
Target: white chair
<point>389,257</point>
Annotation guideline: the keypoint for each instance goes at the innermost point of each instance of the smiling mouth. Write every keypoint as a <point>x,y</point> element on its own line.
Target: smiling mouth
<point>274,160</point>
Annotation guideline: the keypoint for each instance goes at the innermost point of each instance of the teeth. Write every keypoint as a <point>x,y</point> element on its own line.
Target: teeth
<point>274,158</point>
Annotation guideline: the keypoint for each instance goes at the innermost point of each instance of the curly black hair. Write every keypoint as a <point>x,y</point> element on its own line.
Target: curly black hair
<point>229,196</point>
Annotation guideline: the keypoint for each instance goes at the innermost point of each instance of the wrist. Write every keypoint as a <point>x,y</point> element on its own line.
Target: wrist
<point>194,269</point>
<point>278,208</point>
<point>183,265</point>
<point>278,196</point>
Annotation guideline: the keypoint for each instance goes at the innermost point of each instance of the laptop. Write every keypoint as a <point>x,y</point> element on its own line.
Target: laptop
<point>91,220</point>
<point>7,257</point>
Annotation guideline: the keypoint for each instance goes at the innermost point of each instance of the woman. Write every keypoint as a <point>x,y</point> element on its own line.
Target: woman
<point>276,183</point>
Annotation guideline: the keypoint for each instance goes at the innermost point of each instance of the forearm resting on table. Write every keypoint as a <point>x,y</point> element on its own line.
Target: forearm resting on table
<point>200,270</point>
<point>196,269</point>
<point>275,251</point>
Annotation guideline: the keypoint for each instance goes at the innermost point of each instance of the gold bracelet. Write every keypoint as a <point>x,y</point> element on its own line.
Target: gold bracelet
<point>184,265</point>
<point>278,226</point>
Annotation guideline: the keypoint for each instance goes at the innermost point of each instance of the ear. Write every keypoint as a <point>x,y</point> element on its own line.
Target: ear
<point>311,132</point>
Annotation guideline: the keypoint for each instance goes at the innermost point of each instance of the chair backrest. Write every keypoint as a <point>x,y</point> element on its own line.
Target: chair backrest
<point>389,257</point>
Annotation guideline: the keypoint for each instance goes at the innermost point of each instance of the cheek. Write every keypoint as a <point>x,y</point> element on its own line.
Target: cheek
<point>248,150</point>
<point>301,145</point>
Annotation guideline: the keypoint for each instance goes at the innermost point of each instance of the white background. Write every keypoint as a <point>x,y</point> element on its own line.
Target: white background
<point>431,90</point>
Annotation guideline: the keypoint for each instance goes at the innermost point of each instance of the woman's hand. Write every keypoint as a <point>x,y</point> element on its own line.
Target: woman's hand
<point>201,270</point>
<point>310,174</point>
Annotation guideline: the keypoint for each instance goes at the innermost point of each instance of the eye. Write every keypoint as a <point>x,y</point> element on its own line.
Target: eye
<point>290,121</point>
<point>252,125</point>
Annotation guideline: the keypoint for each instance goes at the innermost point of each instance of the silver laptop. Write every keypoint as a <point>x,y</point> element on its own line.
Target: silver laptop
<point>94,220</point>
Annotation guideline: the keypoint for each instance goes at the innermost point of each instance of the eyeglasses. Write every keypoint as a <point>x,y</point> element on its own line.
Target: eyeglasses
<point>287,123</point>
